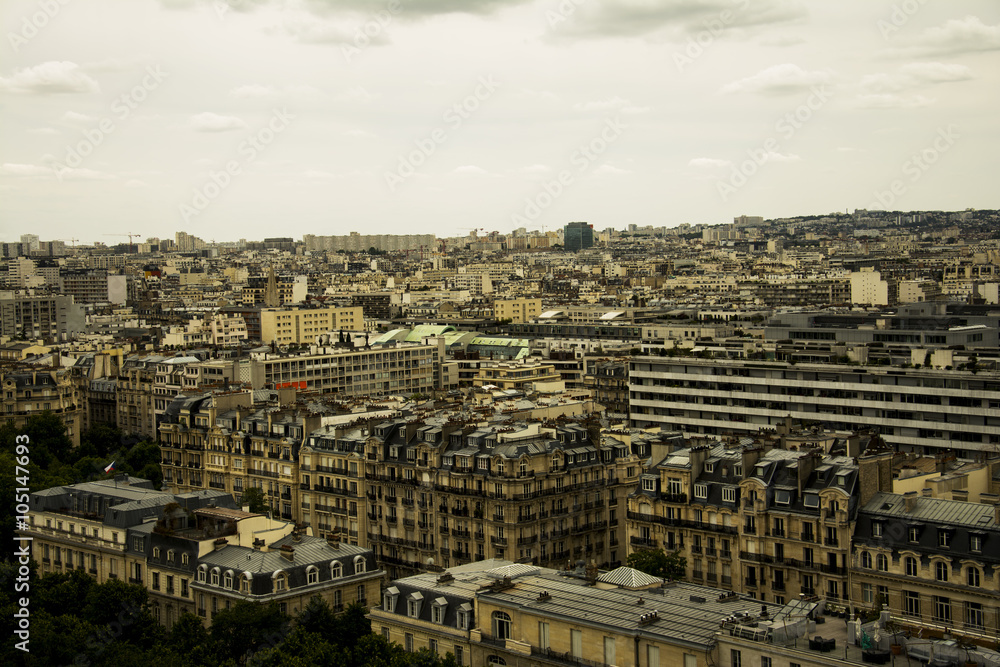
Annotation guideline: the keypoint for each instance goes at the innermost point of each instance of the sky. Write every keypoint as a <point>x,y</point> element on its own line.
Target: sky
<point>232,119</point>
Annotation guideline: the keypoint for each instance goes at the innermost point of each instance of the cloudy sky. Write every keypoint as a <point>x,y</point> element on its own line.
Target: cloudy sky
<point>251,118</point>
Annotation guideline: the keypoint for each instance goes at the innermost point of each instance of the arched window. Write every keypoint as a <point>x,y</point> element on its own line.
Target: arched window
<point>941,571</point>
<point>228,579</point>
<point>336,570</point>
<point>523,468</point>
<point>312,574</point>
<point>495,661</point>
<point>972,576</point>
<point>912,568</point>
<point>280,581</point>
<point>245,583</point>
<point>555,461</point>
<point>866,560</point>
<point>215,576</point>
<point>359,564</point>
<point>202,573</point>
<point>882,563</point>
<point>501,625</point>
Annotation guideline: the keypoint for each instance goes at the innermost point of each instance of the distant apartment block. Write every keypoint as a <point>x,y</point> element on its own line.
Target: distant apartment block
<point>51,317</point>
<point>303,325</point>
<point>914,409</point>
<point>358,242</point>
<point>517,310</point>
<point>578,236</point>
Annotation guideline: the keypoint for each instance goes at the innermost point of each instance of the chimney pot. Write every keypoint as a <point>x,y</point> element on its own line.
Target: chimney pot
<point>910,500</point>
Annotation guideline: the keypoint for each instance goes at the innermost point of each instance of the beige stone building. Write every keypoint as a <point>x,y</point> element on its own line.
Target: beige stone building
<point>517,310</point>
<point>30,391</point>
<point>503,613</point>
<point>303,325</point>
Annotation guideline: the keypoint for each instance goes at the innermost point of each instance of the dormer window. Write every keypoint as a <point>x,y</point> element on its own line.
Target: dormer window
<point>701,491</point>
<point>228,580</point>
<point>649,485</point>
<point>202,573</point>
<point>709,466</point>
<point>389,597</point>
<point>336,570</point>
<point>215,577</point>
<point>359,564</point>
<point>438,609</point>
<point>413,605</point>
<point>280,581</point>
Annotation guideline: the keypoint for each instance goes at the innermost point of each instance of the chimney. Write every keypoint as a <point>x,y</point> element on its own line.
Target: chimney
<point>927,492</point>
<point>910,500</point>
<point>699,455</point>
<point>333,540</point>
<point>288,552</point>
<point>220,543</point>
<point>805,466</point>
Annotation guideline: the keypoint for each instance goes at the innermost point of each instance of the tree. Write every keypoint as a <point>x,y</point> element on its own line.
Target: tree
<point>247,628</point>
<point>659,563</point>
<point>254,497</point>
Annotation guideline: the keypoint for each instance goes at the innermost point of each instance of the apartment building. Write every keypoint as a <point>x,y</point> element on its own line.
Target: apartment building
<point>56,318</point>
<point>29,392</point>
<point>517,310</point>
<point>922,410</point>
<point>303,325</point>
<point>136,396</point>
<point>933,562</point>
<point>499,612</point>
<point>520,375</point>
<point>194,552</point>
<point>402,369</point>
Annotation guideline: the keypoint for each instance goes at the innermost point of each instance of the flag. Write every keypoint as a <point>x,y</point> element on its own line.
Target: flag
<point>110,467</point>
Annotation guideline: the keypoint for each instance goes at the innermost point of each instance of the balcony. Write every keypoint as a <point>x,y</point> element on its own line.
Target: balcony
<point>643,542</point>
<point>807,537</point>
<point>777,532</point>
<point>498,541</point>
<point>525,541</point>
<point>777,585</point>
<point>726,580</point>
<point>830,541</point>
<point>675,498</point>
<point>696,548</point>
<point>750,583</point>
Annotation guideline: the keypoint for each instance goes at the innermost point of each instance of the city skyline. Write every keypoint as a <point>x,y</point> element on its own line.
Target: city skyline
<point>252,118</point>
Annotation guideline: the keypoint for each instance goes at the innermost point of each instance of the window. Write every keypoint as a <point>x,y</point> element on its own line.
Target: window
<point>877,529</point>
<point>359,564</point>
<point>914,534</point>
<point>941,571</point>
<point>432,644</point>
<point>974,615</point>
<point>729,494</point>
<point>501,625</point>
<point>137,544</point>
<point>765,661</point>
<point>245,583</point>
<point>911,603</point>
<point>170,556</point>
<point>701,490</point>
<point>882,563</point>
<point>866,594</point>
<point>413,605</point>
<point>735,658</point>
<point>280,582</point>
<point>576,643</point>
<point>228,579</point>
<point>408,641</point>
<point>652,655</point>
<point>942,609</point>
<point>972,576</point>
<point>438,610</point>
<point>944,538</point>
<point>336,570</point>
<point>464,616</point>
<point>215,577</point>
<point>156,581</point>
<point>609,650</point>
<point>866,560</point>
<point>912,568</point>
<point>156,550</point>
<point>312,575</point>
<point>543,635</point>
<point>648,484</point>
<point>495,661</point>
<point>459,655</point>
<point>975,543</point>
<point>185,559</point>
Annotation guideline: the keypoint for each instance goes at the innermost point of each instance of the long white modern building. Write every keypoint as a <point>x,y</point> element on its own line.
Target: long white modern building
<point>917,410</point>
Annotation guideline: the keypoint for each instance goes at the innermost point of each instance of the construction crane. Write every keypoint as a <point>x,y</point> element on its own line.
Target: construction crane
<point>130,236</point>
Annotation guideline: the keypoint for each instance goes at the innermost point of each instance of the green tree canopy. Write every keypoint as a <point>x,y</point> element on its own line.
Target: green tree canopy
<point>659,563</point>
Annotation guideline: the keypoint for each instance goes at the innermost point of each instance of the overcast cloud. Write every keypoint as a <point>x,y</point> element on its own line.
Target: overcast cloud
<point>250,118</point>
